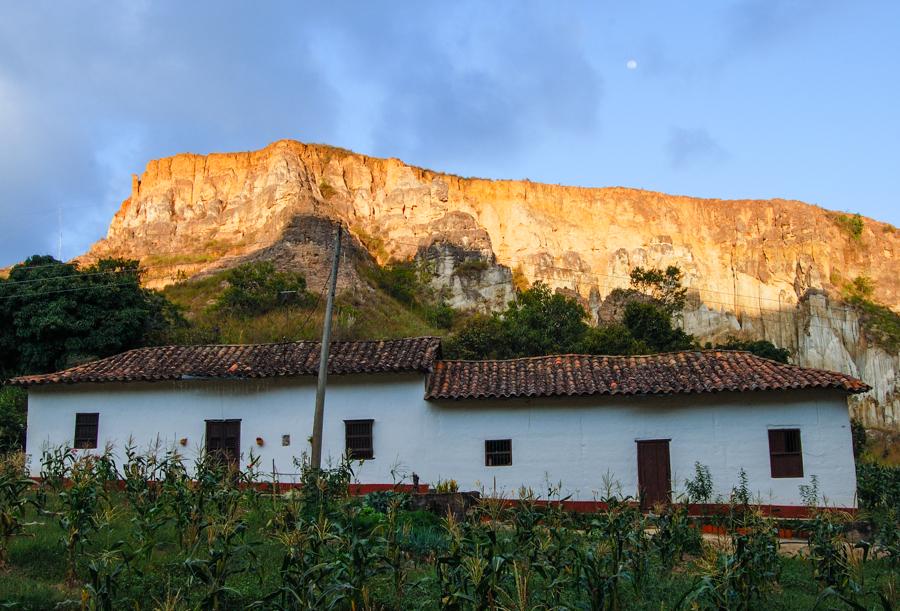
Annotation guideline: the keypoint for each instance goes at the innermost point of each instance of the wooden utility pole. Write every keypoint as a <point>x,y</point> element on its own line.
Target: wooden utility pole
<point>316,458</point>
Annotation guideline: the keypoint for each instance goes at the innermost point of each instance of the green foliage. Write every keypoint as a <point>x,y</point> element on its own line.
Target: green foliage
<point>256,288</point>
<point>733,579</point>
<point>859,436</point>
<point>878,487</point>
<point>611,339</point>
<point>541,322</point>
<point>762,347</point>
<point>699,489</point>
<point>53,314</point>
<point>12,418</point>
<point>651,325</point>
<point>14,484</point>
<point>318,548</point>
<point>664,286</point>
<point>880,322</point>
<point>470,268</point>
<point>852,225</point>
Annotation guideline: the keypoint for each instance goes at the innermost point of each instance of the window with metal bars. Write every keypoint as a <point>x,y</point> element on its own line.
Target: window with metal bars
<point>358,434</point>
<point>785,453</point>
<point>498,452</point>
<point>86,431</point>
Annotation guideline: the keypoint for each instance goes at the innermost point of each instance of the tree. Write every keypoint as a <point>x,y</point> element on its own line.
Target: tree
<point>762,347</point>
<point>663,286</point>
<point>53,314</point>
<point>651,325</point>
<point>542,322</point>
<point>611,339</point>
<point>12,419</point>
<point>256,288</point>
<point>482,337</point>
<point>538,322</point>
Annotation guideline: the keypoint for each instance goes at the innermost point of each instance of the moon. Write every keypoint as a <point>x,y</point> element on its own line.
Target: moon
<point>631,64</point>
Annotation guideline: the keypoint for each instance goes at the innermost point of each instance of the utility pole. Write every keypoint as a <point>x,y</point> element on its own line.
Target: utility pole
<point>316,458</point>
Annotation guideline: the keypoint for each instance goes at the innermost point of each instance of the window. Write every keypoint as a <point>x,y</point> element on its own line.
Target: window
<point>498,452</point>
<point>223,440</point>
<point>359,439</point>
<point>785,453</point>
<point>86,431</point>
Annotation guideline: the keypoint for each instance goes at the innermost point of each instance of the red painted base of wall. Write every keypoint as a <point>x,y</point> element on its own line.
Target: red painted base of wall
<point>707,510</point>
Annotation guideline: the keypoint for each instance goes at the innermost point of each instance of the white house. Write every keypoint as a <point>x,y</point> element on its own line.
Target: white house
<point>642,421</point>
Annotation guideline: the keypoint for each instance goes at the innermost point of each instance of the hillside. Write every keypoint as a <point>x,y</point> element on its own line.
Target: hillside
<point>773,269</point>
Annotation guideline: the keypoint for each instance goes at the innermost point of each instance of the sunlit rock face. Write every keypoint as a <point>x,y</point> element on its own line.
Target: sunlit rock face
<point>760,269</point>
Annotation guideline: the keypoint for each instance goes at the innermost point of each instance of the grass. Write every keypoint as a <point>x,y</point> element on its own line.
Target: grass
<point>377,316</point>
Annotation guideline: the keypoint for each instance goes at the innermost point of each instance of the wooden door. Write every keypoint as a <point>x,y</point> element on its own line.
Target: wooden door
<point>223,439</point>
<point>654,472</point>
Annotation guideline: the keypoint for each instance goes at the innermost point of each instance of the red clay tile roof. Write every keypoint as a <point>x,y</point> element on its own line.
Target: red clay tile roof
<point>249,361</point>
<point>676,372</point>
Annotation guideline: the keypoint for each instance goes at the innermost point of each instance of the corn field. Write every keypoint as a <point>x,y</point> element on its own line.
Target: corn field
<point>147,532</point>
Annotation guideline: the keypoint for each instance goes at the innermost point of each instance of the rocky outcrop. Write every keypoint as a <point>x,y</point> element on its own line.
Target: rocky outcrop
<point>770,269</point>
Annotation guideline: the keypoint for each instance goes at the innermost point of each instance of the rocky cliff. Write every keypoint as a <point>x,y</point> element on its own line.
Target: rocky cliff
<point>768,269</point>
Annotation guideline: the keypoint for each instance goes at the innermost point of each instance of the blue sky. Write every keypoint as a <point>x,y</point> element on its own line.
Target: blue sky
<point>734,99</point>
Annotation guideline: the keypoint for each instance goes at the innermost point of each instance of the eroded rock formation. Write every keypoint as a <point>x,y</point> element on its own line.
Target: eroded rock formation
<point>763,269</point>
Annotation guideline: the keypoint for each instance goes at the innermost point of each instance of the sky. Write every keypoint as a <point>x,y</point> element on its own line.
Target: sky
<point>798,99</point>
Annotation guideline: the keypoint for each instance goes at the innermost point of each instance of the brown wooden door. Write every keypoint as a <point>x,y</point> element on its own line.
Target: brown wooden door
<point>654,472</point>
<point>223,438</point>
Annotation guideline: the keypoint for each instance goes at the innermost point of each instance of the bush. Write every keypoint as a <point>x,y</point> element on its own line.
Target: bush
<point>257,288</point>
<point>852,225</point>
<point>762,347</point>
<point>878,487</point>
<point>12,418</point>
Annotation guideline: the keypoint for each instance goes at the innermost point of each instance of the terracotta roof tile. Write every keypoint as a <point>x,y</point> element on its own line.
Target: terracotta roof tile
<point>249,361</point>
<point>672,373</point>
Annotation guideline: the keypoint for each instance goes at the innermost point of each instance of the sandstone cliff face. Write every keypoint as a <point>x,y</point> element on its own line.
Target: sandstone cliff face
<point>766,269</point>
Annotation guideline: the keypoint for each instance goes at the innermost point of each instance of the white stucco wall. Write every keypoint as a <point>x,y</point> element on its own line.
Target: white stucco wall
<point>572,441</point>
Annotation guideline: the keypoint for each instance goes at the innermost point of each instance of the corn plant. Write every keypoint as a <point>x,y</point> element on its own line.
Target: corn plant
<point>81,493</point>
<point>105,571</point>
<point>14,484</point>
<point>733,579</point>
<point>675,534</point>
<point>223,554</point>
<point>142,479</point>
<point>395,557</point>
<point>310,576</point>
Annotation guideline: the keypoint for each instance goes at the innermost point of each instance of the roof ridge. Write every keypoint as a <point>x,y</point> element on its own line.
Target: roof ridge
<point>611,356</point>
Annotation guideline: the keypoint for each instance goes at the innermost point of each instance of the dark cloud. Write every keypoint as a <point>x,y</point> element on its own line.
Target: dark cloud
<point>687,147</point>
<point>90,92</point>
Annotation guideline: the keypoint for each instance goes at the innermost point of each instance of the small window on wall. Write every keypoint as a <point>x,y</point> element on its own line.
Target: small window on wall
<point>358,434</point>
<point>86,431</point>
<point>785,453</point>
<point>498,452</point>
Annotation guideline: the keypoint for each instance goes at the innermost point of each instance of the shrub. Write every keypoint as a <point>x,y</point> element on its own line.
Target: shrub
<point>12,418</point>
<point>859,437</point>
<point>852,225</point>
<point>14,484</point>
<point>471,268</point>
<point>878,487</point>
<point>762,347</point>
<point>257,288</point>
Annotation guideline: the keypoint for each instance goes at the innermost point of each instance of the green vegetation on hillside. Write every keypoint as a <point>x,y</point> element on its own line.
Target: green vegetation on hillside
<point>542,322</point>
<point>881,324</point>
<point>256,304</point>
<point>852,225</point>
